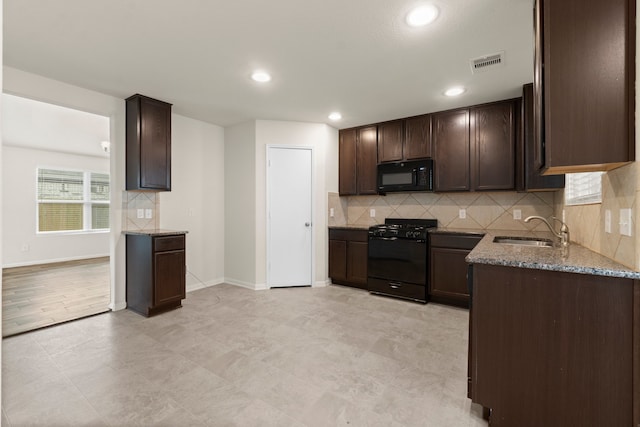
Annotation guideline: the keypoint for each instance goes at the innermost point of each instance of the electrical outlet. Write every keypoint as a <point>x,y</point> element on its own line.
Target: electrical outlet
<point>148,213</point>
<point>372,213</point>
<point>140,213</point>
<point>332,213</point>
<point>517,214</point>
<point>625,222</point>
<point>607,221</point>
<point>462,213</point>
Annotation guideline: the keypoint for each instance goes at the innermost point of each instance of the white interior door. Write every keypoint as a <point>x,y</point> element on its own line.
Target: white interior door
<point>289,217</point>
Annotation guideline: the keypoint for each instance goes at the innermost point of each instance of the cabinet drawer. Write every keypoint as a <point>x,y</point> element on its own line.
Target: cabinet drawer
<point>354,235</point>
<point>168,243</point>
<point>397,289</point>
<point>456,241</point>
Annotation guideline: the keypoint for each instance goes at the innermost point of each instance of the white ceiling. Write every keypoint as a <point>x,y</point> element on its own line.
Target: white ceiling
<point>34,124</point>
<point>354,56</point>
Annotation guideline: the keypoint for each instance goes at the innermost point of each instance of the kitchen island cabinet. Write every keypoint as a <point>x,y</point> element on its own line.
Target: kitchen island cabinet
<point>148,163</point>
<point>554,336</point>
<point>348,252</point>
<point>156,271</point>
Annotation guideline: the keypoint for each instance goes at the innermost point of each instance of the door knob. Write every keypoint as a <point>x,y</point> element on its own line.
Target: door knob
<point>307,224</point>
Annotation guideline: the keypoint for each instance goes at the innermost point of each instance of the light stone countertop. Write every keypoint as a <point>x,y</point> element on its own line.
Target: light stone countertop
<point>349,227</point>
<point>579,259</point>
<point>154,232</point>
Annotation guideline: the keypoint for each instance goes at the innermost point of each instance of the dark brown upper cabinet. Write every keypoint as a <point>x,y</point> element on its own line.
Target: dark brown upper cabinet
<point>148,127</point>
<point>390,141</point>
<point>528,177</point>
<point>584,84</point>
<point>358,160</point>
<point>451,151</point>
<point>417,137</point>
<point>474,148</point>
<point>492,139</point>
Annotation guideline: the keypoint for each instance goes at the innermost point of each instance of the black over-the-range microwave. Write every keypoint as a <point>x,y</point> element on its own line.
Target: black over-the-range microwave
<point>412,175</point>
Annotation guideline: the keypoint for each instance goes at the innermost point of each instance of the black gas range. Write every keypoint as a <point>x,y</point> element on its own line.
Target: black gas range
<point>397,264</point>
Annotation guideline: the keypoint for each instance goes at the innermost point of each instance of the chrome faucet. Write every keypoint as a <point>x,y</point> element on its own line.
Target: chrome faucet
<point>563,234</point>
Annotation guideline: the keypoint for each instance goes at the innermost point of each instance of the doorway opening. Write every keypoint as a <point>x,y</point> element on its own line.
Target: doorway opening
<point>56,203</point>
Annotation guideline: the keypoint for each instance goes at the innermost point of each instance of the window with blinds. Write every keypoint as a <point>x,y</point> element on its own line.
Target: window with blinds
<point>583,188</point>
<point>72,200</point>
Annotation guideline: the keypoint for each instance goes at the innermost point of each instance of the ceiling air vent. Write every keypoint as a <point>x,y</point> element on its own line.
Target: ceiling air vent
<point>487,62</point>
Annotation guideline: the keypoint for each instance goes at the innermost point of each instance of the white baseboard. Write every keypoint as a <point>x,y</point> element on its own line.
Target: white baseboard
<point>247,285</point>
<point>52,261</point>
<point>195,286</point>
<point>116,306</point>
<point>321,283</point>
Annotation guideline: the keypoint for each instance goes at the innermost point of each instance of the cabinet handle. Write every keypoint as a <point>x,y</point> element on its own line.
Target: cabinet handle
<point>394,285</point>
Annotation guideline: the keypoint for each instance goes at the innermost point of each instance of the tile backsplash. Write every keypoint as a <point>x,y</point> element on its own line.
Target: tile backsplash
<point>134,200</point>
<point>587,222</point>
<point>485,211</point>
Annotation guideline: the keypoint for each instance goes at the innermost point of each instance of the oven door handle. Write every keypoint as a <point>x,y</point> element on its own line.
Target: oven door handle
<point>384,238</point>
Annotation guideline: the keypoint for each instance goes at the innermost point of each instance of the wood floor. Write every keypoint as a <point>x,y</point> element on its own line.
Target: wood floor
<point>37,296</point>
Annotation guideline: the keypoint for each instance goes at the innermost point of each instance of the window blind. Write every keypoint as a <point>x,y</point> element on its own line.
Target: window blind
<point>583,188</point>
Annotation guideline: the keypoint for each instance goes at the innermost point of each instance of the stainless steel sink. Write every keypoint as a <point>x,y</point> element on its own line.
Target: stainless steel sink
<point>524,241</point>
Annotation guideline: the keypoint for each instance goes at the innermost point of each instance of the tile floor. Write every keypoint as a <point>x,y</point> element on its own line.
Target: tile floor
<point>329,356</point>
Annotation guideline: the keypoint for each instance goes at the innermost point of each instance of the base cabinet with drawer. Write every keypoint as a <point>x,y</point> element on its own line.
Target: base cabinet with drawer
<point>348,249</point>
<point>156,272</point>
<point>448,278</point>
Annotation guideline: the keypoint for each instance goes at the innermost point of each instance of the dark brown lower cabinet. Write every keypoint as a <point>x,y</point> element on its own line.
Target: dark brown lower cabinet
<point>156,271</point>
<point>555,349</point>
<point>448,268</point>
<point>348,252</point>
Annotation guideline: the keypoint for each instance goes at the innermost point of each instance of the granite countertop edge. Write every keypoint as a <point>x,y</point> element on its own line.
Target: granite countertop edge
<point>579,260</point>
<point>154,232</point>
<point>349,227</point>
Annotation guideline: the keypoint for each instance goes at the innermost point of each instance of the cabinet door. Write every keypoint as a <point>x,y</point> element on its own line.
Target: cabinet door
<point>493,146</point>
<point>338,260</point>
<point>367,162</point>
<point>169,276</point>
<point>357,254</point>
<point>451,144</point>
<point>528,175</point>
<point>347,162</point>
<point>588,83</point>
<point>390,141</point>
<point>155,145</point>
<point>449,274</point>
<point>417,137</point>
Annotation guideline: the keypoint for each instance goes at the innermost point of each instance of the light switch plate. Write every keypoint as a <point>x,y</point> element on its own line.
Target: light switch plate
<point>607,221</point>
<point>462,213</point>
<point>331,212</point>
<point>625,222</point>
<point>372,213</point>
<point>140,213</point>
<point>148,213</point>
<point>517,214</point>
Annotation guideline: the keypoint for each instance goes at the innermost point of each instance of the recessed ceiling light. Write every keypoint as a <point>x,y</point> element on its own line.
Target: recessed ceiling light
<point>335,116</point>
<point>422,15</point>
<point>261,76</point>
<point>455,91</point>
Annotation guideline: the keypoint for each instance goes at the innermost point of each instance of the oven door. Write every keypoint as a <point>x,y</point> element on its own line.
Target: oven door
<point>397,259</point>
